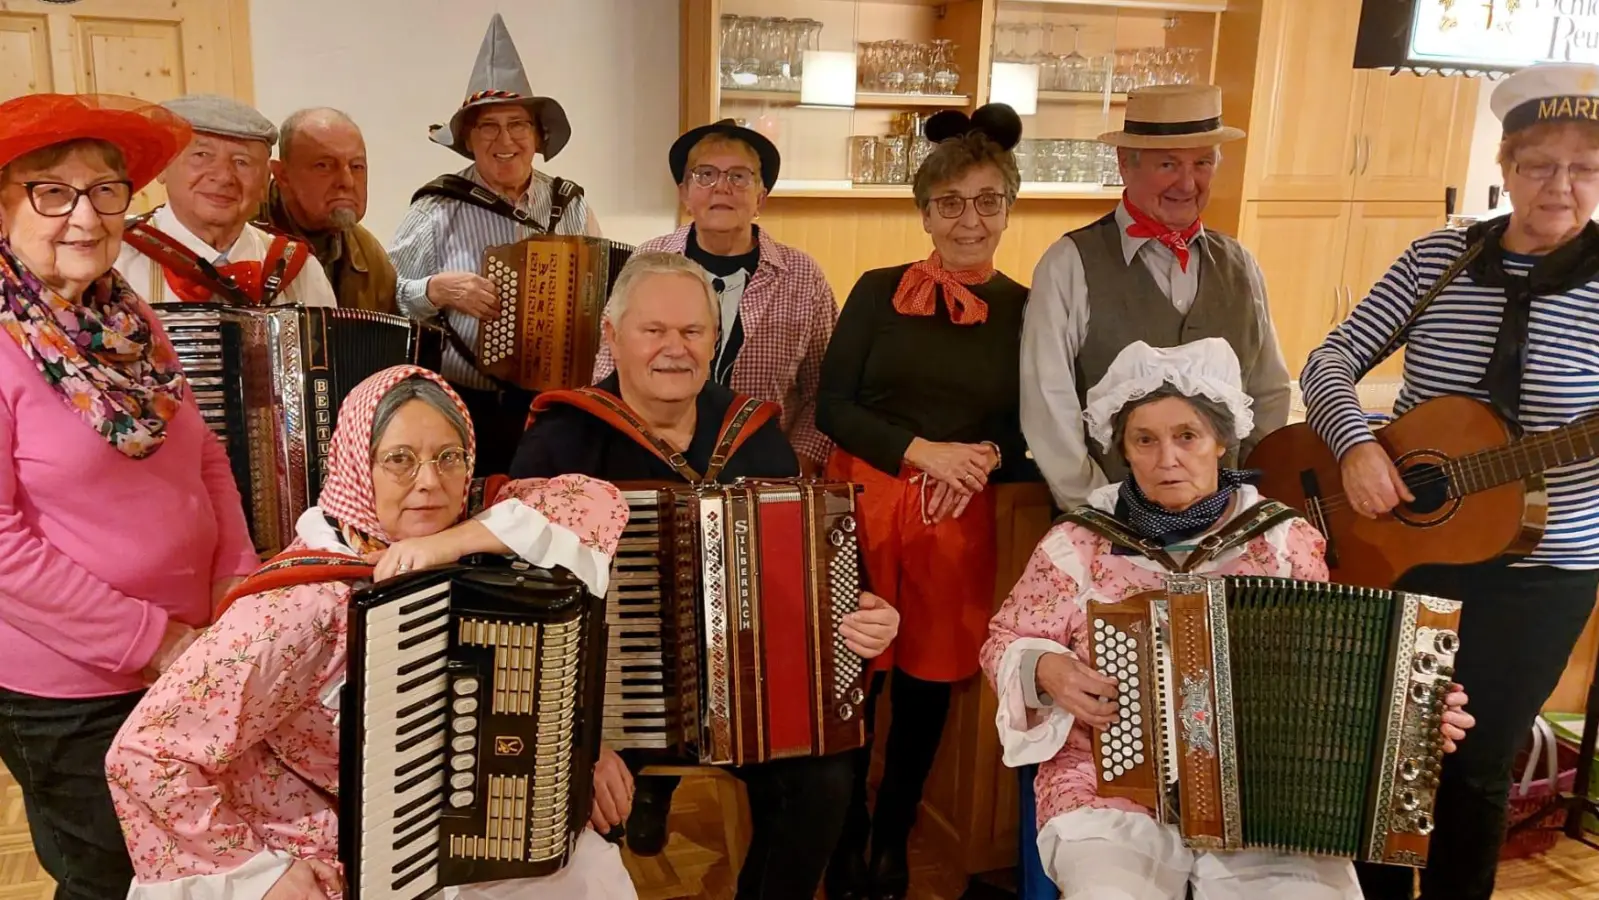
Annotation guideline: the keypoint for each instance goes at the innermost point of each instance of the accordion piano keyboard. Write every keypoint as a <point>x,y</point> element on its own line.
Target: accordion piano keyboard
<point>635,670</point>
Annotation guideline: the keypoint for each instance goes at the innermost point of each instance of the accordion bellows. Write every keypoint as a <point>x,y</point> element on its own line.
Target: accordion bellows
<point>723,613</point>
<point>1270,713</point>
<point>552,291</point>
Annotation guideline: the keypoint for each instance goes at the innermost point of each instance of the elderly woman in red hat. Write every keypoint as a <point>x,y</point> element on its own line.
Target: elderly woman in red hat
<point>120,525</point>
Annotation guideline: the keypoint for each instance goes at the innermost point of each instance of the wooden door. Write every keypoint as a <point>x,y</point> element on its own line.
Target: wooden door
<point>1378,235</point>
<point>1300,248</point>
<point>1409,126</point>
<point>1306,104</point>
<point>151,49</point>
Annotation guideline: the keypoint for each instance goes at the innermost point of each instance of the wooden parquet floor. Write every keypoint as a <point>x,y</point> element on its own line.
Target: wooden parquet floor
<point>695,863</point>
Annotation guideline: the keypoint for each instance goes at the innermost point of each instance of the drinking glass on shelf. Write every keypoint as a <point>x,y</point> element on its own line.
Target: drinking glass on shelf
<point>946,73</point>
<point>1026,159</point>
<point>863,159</point>
<point>807,37</point>
<point>917,64</point>
<point>773,62</point>
<point>727,52</point>
<point>893,159</point>
<point>747,69</point>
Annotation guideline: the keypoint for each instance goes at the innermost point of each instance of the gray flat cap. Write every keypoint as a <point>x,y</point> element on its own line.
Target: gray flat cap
<point>225,116</point>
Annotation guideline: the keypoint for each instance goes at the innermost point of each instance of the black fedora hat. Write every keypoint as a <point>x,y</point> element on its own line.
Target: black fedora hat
<point>764,149</point>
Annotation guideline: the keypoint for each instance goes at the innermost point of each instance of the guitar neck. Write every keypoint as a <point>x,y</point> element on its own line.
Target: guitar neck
<point>1531,455</point>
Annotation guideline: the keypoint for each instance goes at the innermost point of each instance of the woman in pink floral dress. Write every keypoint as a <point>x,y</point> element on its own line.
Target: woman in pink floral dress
<point>1175,414</point>
<point>226,775</point>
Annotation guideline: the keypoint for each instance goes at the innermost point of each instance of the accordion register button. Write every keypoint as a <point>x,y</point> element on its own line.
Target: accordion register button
<point>462,780</point>
<point>464,686</point>
<point>464,705</point>
<point>463,743</point>
<point>461,762</point>
<point>461,799</point>
<point>464,725</point>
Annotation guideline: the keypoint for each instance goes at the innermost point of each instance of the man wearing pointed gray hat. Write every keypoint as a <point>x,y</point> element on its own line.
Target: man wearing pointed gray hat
<point>200,247</point>
<point>438,249</point>
<point>1149,271</point>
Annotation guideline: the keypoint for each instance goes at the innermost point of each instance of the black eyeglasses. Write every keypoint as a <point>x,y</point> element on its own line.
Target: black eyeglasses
<point>737,177</point>
<point>57,200</point>
<point>953,206</point>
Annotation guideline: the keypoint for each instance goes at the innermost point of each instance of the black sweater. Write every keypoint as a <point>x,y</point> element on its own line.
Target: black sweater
<point>888,378</point>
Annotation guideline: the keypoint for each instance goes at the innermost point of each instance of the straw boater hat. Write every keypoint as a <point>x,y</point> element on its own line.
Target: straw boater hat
<point>1173,117</point>
<point>1552,92</point>
<point>498,77</point>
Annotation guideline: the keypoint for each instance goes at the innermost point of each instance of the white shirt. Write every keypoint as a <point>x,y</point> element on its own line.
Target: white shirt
<point>1053,331</point>
<point>309,288</point>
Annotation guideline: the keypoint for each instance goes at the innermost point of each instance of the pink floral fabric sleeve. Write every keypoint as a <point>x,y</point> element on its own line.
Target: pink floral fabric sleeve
<point>1043,604</point>
<point>572,521</point>
<point>196,783</point>
<point>1306,550</point>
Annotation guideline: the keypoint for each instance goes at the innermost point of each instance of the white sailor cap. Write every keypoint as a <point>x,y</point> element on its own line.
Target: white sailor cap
<point>1549,92</point>
<point>225,116</point>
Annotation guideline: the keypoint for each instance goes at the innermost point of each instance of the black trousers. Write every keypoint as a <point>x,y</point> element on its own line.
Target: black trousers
<point>920,709</point>
<point>796,813</point>
<point>56,749</point>
<point>498,419</point>
<point>1517,629</point>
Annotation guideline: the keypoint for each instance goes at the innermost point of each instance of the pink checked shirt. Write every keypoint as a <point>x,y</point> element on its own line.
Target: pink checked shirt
<point>788,312</point>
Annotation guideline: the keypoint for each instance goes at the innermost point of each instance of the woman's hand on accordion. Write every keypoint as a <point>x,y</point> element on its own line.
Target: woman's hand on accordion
<point>1076,688</point>
<point>464,291</point>
<point>869,630</point>
<point>1456,721</point>
<point>449,545</point>
<point>307,879</point>
<point>613,792</point>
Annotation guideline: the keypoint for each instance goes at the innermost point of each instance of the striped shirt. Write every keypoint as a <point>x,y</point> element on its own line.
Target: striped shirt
<point>439,235</point>
<point>1448,349</point>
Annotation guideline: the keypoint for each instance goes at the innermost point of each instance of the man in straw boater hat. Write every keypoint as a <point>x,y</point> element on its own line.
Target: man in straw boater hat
<point>201,247</point>
<point>498,199</point>
<point>1148,271</point>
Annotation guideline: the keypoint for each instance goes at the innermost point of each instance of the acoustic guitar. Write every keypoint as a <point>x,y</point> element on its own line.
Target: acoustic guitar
<point>1479,493</point>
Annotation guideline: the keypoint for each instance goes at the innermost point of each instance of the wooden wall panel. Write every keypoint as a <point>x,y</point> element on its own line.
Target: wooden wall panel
<point>24,55</point>
<point>138,59</point>
<point>848,237</point>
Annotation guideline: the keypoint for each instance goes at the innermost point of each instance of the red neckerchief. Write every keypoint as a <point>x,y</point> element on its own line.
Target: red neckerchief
<point>918,291</point>
<point>246,275</point>
<point>1146,226</point>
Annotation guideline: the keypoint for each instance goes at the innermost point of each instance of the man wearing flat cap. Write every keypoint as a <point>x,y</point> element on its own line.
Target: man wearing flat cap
<point>498,199</point>
<point>200,247</point>
<point>1149,271</point>
<point>778,311</point>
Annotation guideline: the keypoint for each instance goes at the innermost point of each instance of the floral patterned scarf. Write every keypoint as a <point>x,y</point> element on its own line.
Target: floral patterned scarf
<point>101,354</point>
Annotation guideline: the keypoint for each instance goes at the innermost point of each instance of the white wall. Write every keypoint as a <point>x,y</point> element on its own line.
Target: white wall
<point>1484,167</point>
<point>398,66</point>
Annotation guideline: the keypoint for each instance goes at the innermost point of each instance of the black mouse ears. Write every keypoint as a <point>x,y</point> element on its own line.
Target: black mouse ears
<point>997,121</point>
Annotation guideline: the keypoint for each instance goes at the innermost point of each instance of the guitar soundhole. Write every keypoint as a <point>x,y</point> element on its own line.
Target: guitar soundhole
<point>1430,485</point>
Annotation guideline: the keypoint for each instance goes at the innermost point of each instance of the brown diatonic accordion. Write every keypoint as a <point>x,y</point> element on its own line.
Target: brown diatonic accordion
<point>723,612</point>
<point>269,383</point>
<point>1270,713</point>
<point>468,728</point>
<point>552,290</point>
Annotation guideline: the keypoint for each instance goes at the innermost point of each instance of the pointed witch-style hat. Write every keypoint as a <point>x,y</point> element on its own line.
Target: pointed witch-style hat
<point>498,77</point>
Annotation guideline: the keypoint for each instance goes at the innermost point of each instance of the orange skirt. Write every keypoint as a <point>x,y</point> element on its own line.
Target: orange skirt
<point>940,577</point>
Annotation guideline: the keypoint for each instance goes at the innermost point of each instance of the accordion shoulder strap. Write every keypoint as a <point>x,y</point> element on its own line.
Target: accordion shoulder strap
<point>744,418</point>
<point>465,190</point>
<point>168,253</point>
<point>296,567</point>
<point>481,493</point>
<point>284,259</point>
<point>1248,525</point>
<point>563,194</point>
<point>610,409</point>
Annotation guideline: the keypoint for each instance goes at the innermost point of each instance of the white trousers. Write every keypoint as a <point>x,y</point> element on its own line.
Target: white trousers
<point>1104,854</point>
<point>594,873</point>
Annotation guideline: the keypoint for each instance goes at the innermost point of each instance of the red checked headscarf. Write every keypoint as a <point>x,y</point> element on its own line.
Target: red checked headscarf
<point>347,492</point>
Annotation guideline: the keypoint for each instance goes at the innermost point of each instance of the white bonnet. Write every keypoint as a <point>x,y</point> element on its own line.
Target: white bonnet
<point>1204,368</point>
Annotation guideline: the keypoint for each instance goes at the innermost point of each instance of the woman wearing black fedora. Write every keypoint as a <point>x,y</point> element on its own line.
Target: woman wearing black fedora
<point>777,309</point>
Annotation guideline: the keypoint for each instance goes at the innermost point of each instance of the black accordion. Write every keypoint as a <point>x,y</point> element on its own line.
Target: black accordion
<point>469,728</point>
<point>269,383</point>
<point>1276,714</point>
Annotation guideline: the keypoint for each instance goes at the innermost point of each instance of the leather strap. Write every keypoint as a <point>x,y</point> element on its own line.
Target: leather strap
<point>1253,522</point>
<point>563,194</point>
<point>284,260</point>
<point>292,569</point>
<point>482,492</point>
<point>743,419</point>
<point>1444,280</point>
<point>168,252</point>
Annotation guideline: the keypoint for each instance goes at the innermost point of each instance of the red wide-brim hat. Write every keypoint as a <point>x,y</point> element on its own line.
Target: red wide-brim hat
<point>148,135</point>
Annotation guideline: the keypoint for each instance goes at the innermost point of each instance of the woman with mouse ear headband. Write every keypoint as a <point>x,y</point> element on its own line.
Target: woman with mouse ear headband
<point>920,393</point>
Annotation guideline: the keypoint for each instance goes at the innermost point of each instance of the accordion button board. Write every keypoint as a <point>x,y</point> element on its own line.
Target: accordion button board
<point>1273,714</point>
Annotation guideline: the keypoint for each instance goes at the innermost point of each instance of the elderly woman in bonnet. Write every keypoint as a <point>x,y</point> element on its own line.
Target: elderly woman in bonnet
<point>919,392</point>
<point>101,436</point>
<point>1175,415</point>
<point>225,774</point>
<point>1504,313</point>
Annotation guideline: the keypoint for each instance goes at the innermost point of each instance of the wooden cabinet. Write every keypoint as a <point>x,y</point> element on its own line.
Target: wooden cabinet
<point>1306,106</point>
<point>1378,234</point>
<point>1411,128</point>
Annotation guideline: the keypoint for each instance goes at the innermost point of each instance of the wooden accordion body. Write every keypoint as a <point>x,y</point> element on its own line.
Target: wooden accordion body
<point>552,290</point>
<point>724,609</point>
<point>269,383</point>
<point>1269,713</point>
<point>468,735</point>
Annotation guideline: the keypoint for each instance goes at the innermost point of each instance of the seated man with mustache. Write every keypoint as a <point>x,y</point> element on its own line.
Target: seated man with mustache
<point>661,327</point>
